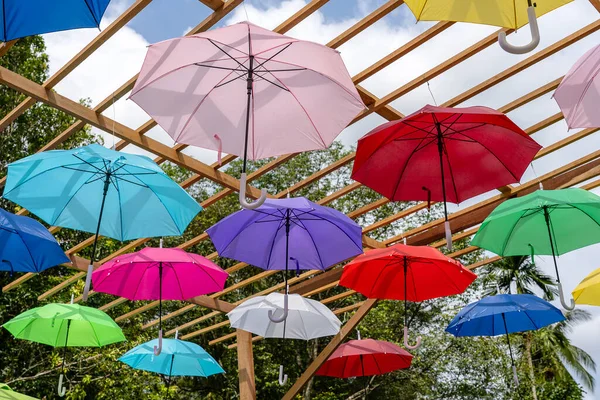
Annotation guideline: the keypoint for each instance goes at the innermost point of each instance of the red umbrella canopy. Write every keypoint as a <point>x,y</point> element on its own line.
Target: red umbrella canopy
<point>365,358</point>
<point>401,272</point>
<point>479,148</point>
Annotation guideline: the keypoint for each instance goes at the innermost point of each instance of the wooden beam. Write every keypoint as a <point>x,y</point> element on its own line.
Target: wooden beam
<point>246,366</point>
<point>213,4</point>
<point>6,46</point>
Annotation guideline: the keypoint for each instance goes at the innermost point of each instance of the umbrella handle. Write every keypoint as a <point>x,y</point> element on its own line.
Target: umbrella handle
<point>408,346</point>
<point>88,282</point>
<point>535,36</point>
<point>285,311</point>
<point>250,206</point>
<point>158,349</point>
<point>448,235</point>
<point>515,376</point>
<point>282,377</point>
<point>61,389</point>
<point>566,306</point>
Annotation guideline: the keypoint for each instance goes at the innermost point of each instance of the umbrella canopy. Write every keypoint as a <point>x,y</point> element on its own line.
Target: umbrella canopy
<point>106,192</point>
<point>307,319</point>
<point>579,92</point>
<point>159,273</point>
<point>486,317</point>
<point>313,236</point>
<point>429,274</point>
<point>26,245</point>
<point>550,222</point>
<point>66,325</point>
<point>6,393</point>
<point>504,314</point>
<point>588,290</point>
<point>178,358</point>
<point>35,17</point>
<point>443,154</point>
<point>409,273</point>
<point>365,357</point>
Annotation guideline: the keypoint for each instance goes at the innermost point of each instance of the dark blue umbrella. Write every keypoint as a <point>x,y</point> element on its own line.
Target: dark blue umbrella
<point>26,245</point>
<point>504,314</point>
<point>20,18</point>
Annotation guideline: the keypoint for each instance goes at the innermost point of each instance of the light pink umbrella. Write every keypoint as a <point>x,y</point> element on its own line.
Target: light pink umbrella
<point>247,91</point>
<point>159,274</point>
<point>578,95</point>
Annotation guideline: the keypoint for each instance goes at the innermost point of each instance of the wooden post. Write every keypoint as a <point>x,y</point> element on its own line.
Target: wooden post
<point>327,351</point>
<point>246,365</point>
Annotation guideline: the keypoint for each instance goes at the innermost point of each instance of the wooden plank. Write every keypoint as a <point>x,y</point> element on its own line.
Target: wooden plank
<point>330,348</point>
<point>6,46</point>
<point>22,279</point>
<point>58,288</point>
<point>246,366</point>
<point>80,57</point>
<point>213,4</point>
<point>539,92</point>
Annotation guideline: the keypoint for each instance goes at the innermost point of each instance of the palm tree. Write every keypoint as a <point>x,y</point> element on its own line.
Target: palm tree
<point>525,276</point>
<point>553,350</point>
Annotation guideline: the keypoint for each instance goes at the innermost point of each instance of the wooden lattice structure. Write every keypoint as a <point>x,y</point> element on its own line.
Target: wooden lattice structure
<point>464,222</point>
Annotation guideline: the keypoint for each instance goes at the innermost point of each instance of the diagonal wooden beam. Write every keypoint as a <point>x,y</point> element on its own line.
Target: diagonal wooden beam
<point>213,4</point>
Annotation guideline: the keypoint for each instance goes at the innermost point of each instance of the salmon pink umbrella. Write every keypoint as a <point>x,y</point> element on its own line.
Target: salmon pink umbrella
<point>409,273</point>
<point>247,91</point>
<point>159,274</point>
<point>443,154</point>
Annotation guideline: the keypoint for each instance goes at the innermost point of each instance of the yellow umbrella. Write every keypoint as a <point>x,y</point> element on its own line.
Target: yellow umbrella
<point>588,290</point>
<point>503,13</point>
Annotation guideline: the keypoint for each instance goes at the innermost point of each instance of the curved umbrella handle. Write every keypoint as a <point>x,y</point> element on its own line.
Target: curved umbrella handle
<point>61,389</point>
<point>408,346</point>
<point>285,312</point>
<point>535,36</point>
<point>158,349</point>
<point>515,376</point>
<point>566,306</point>
<point>282,377</point>
<point>250,206</point>
<point>88,282</point>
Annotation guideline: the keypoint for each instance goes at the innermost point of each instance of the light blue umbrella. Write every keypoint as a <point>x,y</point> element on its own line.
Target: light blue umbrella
<point>20,18</point>
<point>26,245</point>
<point>102,191</point>
<point>178,358</point>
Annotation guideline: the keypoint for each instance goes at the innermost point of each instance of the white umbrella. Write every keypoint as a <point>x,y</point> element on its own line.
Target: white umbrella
<point>307,319</point>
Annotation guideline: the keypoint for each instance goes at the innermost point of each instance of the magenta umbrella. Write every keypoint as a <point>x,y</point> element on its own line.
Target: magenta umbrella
<point>159,274</point>
<point>247,91</point>
<point>578,95</point>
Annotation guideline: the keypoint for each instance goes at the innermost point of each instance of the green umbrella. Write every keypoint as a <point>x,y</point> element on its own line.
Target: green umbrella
<point>6,393</point>
<point>549,222</point>
<point>65,325</point>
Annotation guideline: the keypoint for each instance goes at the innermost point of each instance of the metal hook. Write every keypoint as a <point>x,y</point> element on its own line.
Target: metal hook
<point>250,206</point>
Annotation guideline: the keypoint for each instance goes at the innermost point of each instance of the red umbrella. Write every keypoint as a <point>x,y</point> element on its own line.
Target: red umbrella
<point>470,150</point>
<point>365,358</point>
<point>409,273</point>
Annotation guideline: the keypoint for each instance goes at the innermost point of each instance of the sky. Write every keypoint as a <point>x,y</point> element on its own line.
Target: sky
<point>122,56</point>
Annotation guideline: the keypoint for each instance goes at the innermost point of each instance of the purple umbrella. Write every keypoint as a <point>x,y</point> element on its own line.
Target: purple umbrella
<point>313,236</point>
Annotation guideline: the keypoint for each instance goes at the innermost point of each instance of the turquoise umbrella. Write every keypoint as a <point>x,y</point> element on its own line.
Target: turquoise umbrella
<point>178,358</point>
<point>102,191</point>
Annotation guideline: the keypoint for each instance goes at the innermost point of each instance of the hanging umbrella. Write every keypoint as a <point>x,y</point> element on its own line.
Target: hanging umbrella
<point>588,290</point>
<point>6,393</point>
<point>106,192</point>
<point>65,325</point>
<point>443,154</point>
<point>306,319</point>
<point>178,358</point>
<point>503,13</point>
<point>35,17</point>
<point>296,229</point>
<point>366,357</point>
<point>159,274</point>
<point>26,245</point>
<point>579,92</point>
<point>247,91</point>
<point>503,314</point>
<point>549,222</point>
<point>409,273</point>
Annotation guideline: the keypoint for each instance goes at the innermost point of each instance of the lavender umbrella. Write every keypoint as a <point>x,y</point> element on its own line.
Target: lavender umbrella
<point>313,236</point>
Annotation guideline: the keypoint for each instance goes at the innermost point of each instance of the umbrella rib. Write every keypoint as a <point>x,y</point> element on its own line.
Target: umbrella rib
<point>24,244</point>
<point>273,56</point>
<point>205,272</point>
<point>404,167</point>
<point>313,241</point>
<point>574,206</point>
<point>227,54</point>
<point>512,231</point>
<point>66,204</point>
<point>35,176</point>
<point>445,150</point>
<point>90,164</point>
<point>272,243</point>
